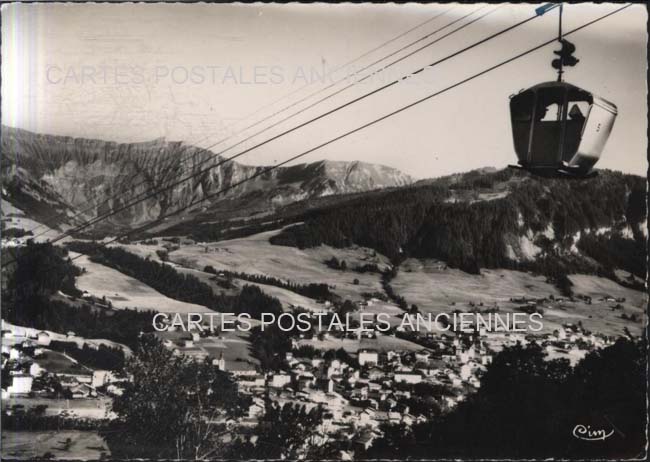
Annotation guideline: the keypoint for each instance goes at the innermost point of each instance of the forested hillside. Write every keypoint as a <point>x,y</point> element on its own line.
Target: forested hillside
<point>529,405</point>
<point>29,299</point>
<point>187,288</point>
<point>507,219</point>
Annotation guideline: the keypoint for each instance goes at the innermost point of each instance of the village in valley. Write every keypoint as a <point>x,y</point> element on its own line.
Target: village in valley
<point>253,231</point>
<point>362,379</point>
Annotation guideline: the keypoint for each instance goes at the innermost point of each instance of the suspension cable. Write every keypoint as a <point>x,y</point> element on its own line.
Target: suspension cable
<point>223,140</point>
<point>348,133</point>
<point>273,138</point>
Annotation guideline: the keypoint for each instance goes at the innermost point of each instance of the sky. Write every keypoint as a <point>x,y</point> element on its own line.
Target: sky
<point>203,73</point>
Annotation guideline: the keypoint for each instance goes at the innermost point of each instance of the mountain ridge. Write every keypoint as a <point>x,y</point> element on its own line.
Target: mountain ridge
<point>85,171</point>
<point>503,219</point>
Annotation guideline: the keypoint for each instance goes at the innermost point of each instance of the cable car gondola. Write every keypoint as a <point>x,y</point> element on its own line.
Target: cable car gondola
<point>558,128</point>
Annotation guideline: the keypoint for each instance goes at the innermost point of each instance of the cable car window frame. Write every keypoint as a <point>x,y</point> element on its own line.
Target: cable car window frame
<point>539,155</point>
<point>522,108</point>
<point>574,95</point>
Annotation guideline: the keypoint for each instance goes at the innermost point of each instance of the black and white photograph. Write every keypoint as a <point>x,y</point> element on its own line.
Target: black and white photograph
<point>324,231</point>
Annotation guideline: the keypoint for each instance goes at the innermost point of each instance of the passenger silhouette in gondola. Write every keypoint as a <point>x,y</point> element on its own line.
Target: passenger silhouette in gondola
<point>576,114</point>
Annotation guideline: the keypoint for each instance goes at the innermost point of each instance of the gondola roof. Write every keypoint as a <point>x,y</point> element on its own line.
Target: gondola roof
<point>565,85</point>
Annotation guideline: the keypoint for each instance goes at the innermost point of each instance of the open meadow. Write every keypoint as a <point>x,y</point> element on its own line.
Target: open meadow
<point>256,255</point>
<point>60,444</point>
<point>435,288</point>
<point>126,292</point>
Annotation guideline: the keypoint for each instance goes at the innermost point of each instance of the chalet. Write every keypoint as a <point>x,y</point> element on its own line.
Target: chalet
<point>102,377</point>
<point>20,384</point>
<point>465,372</point>
<point>390,403</point>
<point>82,390</point>
<point>279,380</point>
<point>251,382</point>
<point>220,362</point>
<point>43,338</point>
<point>358,394</point>
<point>408,420</point>
<point>366,356</point>
<point>78,340</point>
<point>195,352</point>
<point>35,370</point>
<point>394,417</point>
<point>365,440</point>
<point>374,373</point>
<point>426,370</point>
<point>422,356</point>
<point>114,389</point>
<point>407,377</point>
<point>373,387</point>
<point>71,378</point>
<point>240,368</point>
<point>256,408</point>
<point>299,368</point>
<point>305,380</point>
<point>392,356</point>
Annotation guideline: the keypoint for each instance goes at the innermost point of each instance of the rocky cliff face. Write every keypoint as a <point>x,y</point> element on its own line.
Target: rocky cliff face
<point>94,176</point>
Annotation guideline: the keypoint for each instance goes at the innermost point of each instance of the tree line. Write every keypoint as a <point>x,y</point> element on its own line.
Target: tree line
<point>43,270</point>
<point>529,406</point>
<point>422,222</point>
<point>103,357</point>
<point>319,291</point>
<point>183,287</point>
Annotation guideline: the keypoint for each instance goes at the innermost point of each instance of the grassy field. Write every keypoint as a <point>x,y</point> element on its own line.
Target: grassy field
<point>126,292</point>
<point>58,363</point>
<point>429,284</point>
<point>394,313</point>
<point>92,408</point>
<point>13,217</point>
<point>64,444</point>
<point>255,255</point>
<point>286,297</point>
<point>235,346</point>
<point>23,333</point>
<point>435,289</point>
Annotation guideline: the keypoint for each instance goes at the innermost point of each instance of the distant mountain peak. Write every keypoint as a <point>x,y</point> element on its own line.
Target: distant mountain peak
<point>102,175</point>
